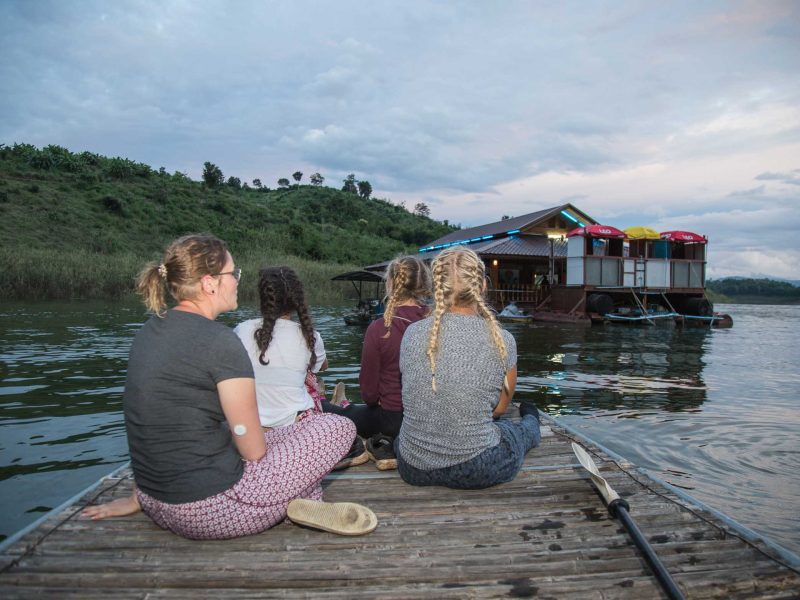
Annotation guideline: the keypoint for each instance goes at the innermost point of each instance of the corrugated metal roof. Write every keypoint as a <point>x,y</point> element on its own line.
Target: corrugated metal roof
<point>523,245</point>
<point>358,276</point>
<point>478,247</point>
<point>493,228</point>
<point>501,227</point>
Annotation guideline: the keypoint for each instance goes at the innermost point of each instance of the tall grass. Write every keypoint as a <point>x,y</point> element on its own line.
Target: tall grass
<point>53,274</point>
<point>316,277</point>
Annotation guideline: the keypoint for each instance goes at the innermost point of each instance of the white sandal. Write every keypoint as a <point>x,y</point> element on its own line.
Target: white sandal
<point>344,518</point>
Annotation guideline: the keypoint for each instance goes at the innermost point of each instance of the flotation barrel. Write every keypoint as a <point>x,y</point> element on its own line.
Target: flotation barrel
<point>700,307</point>
<point>599,303</point>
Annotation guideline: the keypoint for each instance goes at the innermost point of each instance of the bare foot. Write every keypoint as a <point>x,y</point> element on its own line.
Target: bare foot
<point>117,508</point>
<point>339,398</point>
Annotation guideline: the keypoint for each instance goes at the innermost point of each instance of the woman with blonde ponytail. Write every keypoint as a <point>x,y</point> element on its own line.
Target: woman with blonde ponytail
<point>408,285</point>
<point>459,370</point>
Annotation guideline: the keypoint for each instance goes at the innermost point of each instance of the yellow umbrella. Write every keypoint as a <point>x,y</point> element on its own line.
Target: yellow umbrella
<point>642,233</point>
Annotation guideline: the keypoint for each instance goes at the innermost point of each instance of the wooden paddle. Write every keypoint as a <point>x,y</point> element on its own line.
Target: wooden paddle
<point>618,508</point>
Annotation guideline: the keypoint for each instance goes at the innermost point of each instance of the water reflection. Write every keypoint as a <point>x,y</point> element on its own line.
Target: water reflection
<point>63,369</point>
<point>578,369</point>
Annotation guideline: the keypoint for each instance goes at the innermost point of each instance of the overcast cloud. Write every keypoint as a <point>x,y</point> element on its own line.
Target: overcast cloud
<point>673,115</point>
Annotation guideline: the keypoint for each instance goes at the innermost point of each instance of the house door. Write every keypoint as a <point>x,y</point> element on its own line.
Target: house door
<point>628,272</point>
<point>639,274</point>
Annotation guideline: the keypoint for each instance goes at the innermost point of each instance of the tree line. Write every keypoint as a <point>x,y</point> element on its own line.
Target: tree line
<point>131,190</point>
<point>734,286</point>
<point>214,178</point>
<point>87,164</point>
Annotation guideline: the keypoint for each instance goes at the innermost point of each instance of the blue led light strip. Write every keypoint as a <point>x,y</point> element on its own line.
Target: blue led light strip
<point>508,233</point>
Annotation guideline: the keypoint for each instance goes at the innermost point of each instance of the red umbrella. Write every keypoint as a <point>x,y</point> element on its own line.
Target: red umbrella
<point>602,231</point>
<point>686,237</point>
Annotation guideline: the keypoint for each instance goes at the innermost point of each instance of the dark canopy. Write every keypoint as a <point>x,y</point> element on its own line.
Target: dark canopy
<point>358,276</point>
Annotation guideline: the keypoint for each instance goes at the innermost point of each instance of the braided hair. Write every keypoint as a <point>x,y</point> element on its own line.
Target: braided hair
<point>280,291</point>
<point>407,278</point>
<point>458,277</point>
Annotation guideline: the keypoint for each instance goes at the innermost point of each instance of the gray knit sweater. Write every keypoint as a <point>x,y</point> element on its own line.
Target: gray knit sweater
<point>453,424</point>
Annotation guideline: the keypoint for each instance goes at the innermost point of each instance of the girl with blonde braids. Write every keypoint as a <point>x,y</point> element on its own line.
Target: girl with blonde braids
<point>408,285</point>
<point>459,370</point>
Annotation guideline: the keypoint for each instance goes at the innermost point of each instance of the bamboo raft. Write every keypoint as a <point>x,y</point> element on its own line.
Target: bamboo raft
<point>544,535</point>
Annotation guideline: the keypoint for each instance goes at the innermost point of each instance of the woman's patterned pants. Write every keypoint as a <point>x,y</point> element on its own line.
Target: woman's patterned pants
<point>298,457</point>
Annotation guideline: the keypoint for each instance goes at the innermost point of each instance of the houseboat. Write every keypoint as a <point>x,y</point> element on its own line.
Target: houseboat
<point>559,264</point>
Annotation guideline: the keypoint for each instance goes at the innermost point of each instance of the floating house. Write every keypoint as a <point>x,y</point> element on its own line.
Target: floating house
<point>561,264</point>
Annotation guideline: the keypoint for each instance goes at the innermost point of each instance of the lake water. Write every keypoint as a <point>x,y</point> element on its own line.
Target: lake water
<point>711,411</point>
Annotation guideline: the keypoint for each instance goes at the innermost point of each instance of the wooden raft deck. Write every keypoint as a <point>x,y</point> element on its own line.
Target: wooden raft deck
<point>544,535</point>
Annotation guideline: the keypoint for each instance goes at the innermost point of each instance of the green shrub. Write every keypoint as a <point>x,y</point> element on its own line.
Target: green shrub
<point>90,158</point>
<point>120,168</point>
<point>24,151</point>
<point>89,177</point>
<point>58,151</point>
<point>220,206</point>
<point>114,205</point>
<point>71,165</point>
<point>141,170</point>
<point>42,160</point>
<point>160,195</point>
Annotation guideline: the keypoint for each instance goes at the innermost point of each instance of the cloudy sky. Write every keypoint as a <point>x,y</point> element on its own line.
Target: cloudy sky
<point>676,115</point>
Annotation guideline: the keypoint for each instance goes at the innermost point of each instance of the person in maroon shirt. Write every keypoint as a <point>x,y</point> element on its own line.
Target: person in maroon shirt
<point>408,285</point>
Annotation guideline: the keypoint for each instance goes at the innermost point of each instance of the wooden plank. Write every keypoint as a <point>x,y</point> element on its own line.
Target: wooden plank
<point>545,534</point>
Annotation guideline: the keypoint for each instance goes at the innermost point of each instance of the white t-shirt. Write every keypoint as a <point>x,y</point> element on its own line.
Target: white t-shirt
<point>280,386</point>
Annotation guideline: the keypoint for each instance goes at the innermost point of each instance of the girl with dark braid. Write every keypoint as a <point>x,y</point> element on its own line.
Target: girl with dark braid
<point>282,350</point>
<point>459,371</point>
<point>408,285</point>
<point>284,353</point>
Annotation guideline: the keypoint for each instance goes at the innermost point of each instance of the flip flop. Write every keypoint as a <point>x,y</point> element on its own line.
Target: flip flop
<point>343,518</point>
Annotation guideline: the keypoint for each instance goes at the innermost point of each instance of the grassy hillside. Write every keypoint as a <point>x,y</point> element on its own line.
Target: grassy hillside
<point>81,225</point>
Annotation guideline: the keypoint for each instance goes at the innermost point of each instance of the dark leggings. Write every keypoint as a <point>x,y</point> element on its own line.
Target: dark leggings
<point>369,420</point>
<point>498,464</point>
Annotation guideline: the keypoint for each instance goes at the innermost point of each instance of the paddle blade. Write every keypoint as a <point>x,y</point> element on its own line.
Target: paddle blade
<point>608,493</point>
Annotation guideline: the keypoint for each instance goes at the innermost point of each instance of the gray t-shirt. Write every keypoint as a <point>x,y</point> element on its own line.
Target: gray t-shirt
<point>180,444</point>
<point>453,424</point>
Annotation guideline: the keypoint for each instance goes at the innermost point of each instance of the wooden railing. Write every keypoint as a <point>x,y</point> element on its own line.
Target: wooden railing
<point>529,294</point>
